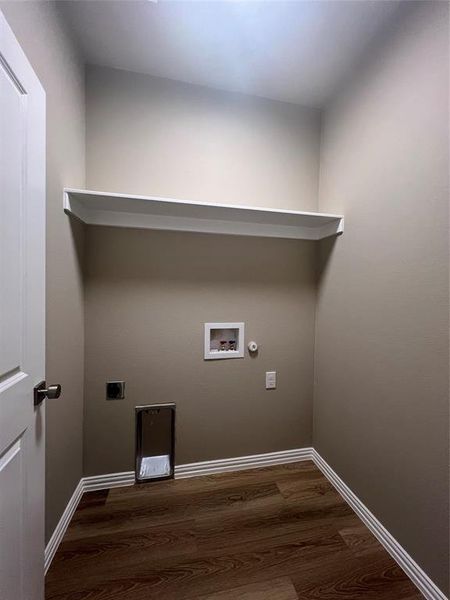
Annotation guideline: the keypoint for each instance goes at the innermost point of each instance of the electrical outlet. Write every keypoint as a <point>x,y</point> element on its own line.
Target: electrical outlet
<point>271,380</point>
<point>115,390</point>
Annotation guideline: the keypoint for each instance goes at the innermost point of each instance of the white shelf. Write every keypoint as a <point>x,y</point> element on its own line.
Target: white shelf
<point>147,212</point>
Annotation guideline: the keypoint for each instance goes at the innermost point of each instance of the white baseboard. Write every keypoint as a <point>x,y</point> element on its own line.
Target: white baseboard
<point>398,553</point>
<point>60,530</point>
<point>105,482</point>
<point>207,467</point>
<point>113,480</point>
<point>210,467</point>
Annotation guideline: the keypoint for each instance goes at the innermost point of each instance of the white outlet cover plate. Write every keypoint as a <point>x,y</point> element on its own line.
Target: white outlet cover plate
<point>271,380</point>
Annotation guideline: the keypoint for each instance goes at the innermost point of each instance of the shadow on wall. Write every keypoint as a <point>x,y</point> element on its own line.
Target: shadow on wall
<point>194,257</point>
<point>77,231</point>
<point>324,252</point>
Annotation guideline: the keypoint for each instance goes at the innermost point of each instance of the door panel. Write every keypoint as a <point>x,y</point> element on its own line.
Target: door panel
<point>12,491</point>
<point>10,224</point>
<point>22,323</point>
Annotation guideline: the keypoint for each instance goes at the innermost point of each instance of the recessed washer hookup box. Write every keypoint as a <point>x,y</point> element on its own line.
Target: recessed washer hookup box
<point>224,340</point>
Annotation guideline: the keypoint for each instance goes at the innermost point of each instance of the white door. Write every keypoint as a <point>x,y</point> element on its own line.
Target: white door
<point>22,325</point>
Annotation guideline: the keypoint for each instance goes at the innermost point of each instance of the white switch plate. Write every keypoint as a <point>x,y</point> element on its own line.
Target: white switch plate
<point>271,380</point>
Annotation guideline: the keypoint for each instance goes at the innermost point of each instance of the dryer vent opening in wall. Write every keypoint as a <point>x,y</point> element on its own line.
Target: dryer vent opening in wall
<point>224,340</point>
<point>155,442</point>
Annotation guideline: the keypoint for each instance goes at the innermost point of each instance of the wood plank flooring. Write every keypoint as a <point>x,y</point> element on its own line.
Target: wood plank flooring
<point>276,533</point>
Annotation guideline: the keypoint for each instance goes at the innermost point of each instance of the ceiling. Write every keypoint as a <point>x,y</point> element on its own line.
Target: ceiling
<point>290,51</point>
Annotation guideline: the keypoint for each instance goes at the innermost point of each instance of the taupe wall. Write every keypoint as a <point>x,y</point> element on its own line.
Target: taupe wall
<point>382,360</point>
<point>147,297</point>
<point>149,293</point>
<point>147,135</point>
<point>40,32</point>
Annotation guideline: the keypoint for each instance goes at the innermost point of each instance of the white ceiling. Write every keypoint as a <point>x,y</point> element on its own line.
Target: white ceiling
<point>291,51</point>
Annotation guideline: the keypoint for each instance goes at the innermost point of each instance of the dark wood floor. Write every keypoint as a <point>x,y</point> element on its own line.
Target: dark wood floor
<point>277,533</point>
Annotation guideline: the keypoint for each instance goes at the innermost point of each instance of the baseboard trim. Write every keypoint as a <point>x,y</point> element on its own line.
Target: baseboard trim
<point>111,480</point>
<point>210,467</point>
<point>398,553</point>
<point>60,529</point>
<point>207,467</point>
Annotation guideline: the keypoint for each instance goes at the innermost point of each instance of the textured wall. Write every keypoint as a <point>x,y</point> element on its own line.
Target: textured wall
<point>382,360</point>
<point>147,297</point>
<point>41,33</point>
<point>147,135</point>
